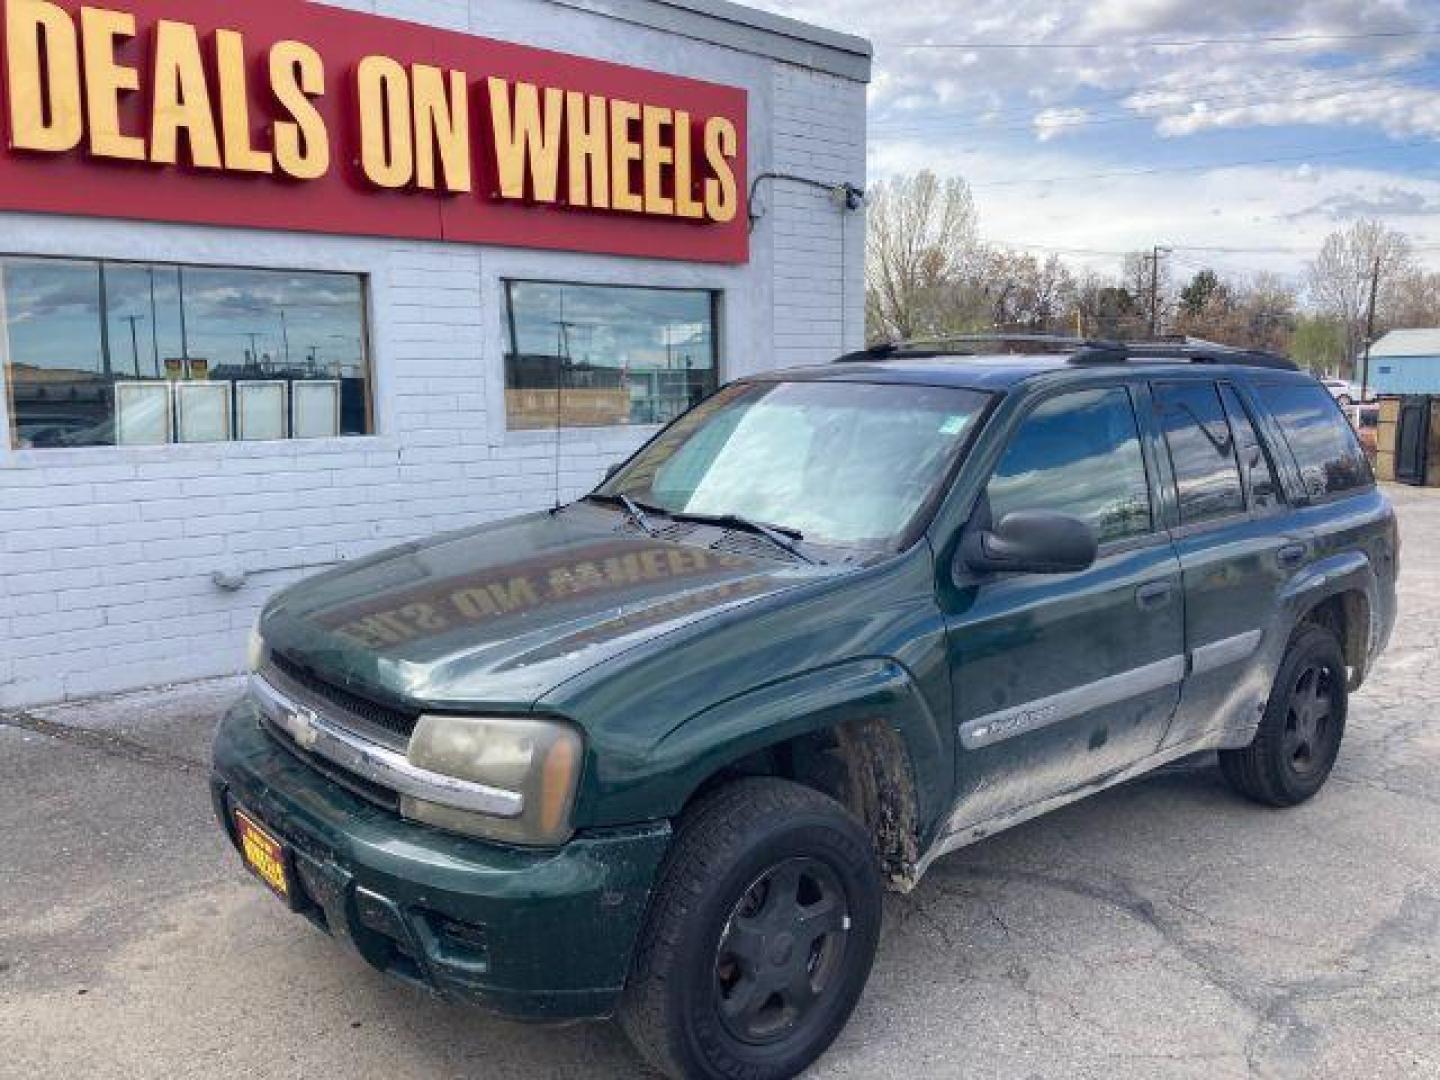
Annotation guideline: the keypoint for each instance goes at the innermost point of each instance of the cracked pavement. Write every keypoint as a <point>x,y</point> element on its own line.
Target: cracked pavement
<point>1163,929</point>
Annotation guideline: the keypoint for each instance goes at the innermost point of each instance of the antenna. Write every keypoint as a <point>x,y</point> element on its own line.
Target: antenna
<point>562,353</point>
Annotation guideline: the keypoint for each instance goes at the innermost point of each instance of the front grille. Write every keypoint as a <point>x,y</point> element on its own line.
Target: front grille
<point>357,785</point>
<point>364,716</point>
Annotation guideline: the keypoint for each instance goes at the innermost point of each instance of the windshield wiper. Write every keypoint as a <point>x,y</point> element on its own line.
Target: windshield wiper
<point>779,535</point>
<point>632,508</point>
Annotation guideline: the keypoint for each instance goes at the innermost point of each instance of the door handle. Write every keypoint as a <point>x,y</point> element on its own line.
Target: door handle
<point>1291,556</point>
<point>1154,596</point>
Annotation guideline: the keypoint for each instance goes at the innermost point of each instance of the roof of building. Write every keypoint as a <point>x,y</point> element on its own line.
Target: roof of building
<point>1402,343</point>
<point>736,26</point>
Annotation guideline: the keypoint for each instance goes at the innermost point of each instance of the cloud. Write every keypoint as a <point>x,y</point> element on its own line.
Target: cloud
<point>999,117</point>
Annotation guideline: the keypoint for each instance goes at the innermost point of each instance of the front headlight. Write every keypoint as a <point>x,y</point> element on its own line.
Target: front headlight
<point>537,761</point>
<point>255,650</point>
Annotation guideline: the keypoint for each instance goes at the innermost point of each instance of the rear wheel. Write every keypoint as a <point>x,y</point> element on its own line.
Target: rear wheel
<point>1301,731</point>
<point>760,938</point>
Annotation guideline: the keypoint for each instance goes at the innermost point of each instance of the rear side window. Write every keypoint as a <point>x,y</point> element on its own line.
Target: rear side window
<point>1202,449</point>
<point>1078,454</point>
<point>1326,449</point>
<point>1255,467</point>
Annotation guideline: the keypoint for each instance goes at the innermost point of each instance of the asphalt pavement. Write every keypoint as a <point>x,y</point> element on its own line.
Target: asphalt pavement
<point>1165,929</point>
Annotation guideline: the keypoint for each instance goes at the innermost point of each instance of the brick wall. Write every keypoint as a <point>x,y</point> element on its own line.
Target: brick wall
<point>107,554</point>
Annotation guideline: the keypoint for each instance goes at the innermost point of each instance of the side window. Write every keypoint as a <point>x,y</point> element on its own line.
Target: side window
<point>1202,450</point>
<point>1078,454</point>
<point>1326,449</point>
<point>1255,466</point>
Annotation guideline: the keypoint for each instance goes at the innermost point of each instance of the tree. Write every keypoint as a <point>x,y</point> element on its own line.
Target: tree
<point>1340,277</point>
<point>1318,344</point>
<point>1196,297</point>
<point>921,235</point>
<point>1413,302</point>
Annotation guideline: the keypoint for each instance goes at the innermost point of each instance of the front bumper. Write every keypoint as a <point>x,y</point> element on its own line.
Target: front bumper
<point>535,935</point>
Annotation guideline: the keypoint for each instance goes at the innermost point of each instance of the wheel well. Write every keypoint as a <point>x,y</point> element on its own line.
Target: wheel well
<point>864,766</point>
<point>1347,616</point>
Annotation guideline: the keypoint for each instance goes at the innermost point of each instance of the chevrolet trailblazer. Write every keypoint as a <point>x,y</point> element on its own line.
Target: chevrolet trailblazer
<point>656,754</point>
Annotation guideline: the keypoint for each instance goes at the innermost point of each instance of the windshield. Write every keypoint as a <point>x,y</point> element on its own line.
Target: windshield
<point>841,464</point>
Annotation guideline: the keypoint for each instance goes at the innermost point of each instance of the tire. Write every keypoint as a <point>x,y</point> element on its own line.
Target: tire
<point>760,936</point>
<point>1304,723</point>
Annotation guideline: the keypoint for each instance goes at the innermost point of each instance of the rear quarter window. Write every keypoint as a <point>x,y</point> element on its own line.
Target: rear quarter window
<point>1326,449</point>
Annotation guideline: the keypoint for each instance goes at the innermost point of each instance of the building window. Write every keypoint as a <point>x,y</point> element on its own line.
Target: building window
<point>120,354</point>
<point>601,356</point>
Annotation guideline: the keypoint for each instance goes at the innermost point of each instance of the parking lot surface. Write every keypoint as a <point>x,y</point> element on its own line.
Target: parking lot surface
<point>1163,929</point>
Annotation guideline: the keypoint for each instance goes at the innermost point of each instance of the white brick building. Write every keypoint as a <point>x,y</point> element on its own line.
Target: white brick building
<point>109,554</point>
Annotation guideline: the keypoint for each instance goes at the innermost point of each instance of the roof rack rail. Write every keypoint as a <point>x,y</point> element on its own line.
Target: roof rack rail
<point>1082,351</point>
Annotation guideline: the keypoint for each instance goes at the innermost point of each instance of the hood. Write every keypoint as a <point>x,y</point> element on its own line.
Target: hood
<point>500,614</point>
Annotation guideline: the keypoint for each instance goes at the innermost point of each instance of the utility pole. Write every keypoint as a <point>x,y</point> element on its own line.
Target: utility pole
<point>1369,331</point>
<point>1155,288</point>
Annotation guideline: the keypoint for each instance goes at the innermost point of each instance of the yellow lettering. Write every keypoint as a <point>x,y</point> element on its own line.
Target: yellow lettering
<point>589,156</point>
<point>106,80</point>
<point>302,145</point>
<point>387,143</point>
<point>624,153</point>
<point>43,60</point>
<point>442,122</point>
<point>686,205</point>
<point>182,99</point>
<point>659,154</point>
<point>474,603</point>
<point>721,146</point>
<point>240,152</point>
<point>517,594</point>
<point>527,143</point>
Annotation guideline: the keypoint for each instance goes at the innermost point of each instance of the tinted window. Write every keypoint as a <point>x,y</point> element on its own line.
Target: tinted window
<point>1202,450</point>
<point>1078,454</point>
<point>1326,450</point>
<point>1255,467</point>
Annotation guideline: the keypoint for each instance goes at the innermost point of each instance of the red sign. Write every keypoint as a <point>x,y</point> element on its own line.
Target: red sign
<point>280,114</point>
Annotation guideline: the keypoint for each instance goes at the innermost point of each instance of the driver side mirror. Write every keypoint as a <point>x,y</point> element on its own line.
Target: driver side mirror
<point>1032,542</point>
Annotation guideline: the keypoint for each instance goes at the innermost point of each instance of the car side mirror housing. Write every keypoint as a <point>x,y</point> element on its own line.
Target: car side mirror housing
<point>1032,542</point>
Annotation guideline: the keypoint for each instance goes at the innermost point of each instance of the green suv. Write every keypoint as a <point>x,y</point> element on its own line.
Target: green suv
<point>656,754</point>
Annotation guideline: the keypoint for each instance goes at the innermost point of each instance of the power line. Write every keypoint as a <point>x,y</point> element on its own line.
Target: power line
<point>1280,81</point>
<point>1208,166</point>
<point>1171,44</point>
<point>1223,102</point>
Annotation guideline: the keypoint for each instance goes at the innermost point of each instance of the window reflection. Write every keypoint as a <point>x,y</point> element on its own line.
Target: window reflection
<point>76,331</point>
<point>1202,450</point>
<point>1330,457</point>
<point>618,355</point>
<point>1078,454</point>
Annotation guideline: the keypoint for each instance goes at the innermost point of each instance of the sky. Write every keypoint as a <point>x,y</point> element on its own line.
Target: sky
<point>1121,124</point>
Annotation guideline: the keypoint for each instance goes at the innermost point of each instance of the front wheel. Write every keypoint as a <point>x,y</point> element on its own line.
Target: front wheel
<point>1304,723</point>
<point>760,937</point>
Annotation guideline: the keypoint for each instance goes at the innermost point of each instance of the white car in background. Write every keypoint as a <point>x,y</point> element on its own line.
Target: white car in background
<point>1346,393</point>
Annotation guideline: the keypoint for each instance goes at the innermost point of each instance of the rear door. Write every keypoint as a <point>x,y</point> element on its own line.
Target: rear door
<point>1227,518</point>
<point>1063,680</point>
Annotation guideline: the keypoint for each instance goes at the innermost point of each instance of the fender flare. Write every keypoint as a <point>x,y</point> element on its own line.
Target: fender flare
<point>821,700</point>
<point>1336,575</point>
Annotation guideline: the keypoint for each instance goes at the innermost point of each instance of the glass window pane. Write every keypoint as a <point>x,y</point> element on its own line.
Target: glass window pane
<point>74,330</point>
<point>1202,450</point>
<point>1078,454</point>
<point>1255,467</point>
<point>844,464</point>
<point>618,355</point>
<point>1330,457</point>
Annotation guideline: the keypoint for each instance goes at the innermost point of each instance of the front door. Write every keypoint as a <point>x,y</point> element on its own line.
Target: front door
<point>1061,681</point>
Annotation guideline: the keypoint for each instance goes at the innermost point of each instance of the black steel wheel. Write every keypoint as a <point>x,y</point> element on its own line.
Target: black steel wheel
<point>1304,724</point>
<point>760,937</point>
